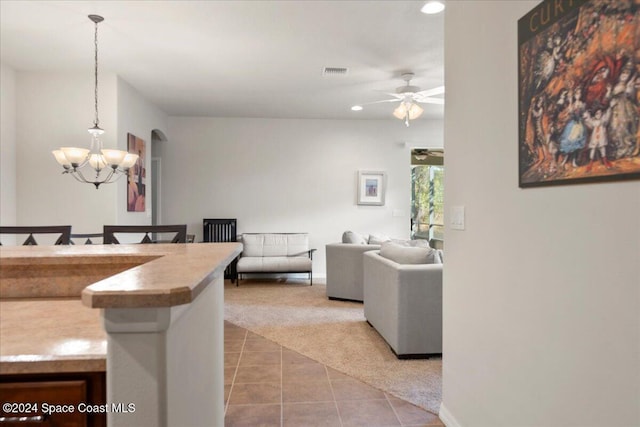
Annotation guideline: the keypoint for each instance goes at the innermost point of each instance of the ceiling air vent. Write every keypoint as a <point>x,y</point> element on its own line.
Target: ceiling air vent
<point>334,71</point>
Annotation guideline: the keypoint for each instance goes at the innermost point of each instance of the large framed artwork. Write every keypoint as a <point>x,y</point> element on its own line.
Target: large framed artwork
<point>578,92</point>
<point>371,188</point>
<point>136,178</point>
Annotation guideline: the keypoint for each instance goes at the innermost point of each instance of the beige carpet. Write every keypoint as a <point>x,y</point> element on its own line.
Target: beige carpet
<point>335,333</point>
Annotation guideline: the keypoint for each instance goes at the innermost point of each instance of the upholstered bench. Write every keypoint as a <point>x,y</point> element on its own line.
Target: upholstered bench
<point>275,253</point>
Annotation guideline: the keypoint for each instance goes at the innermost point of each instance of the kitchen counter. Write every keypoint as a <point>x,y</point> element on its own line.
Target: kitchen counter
<point>48,295</point>
<point>50,336</point>
<point>114,276</point>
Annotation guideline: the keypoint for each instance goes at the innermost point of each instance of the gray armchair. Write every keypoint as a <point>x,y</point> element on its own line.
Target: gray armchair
<point>344,270</point>
<point>403,302</point>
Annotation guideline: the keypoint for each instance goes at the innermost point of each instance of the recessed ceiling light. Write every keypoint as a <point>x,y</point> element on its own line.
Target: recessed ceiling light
<point>356,108</point>
<point>432,7</point>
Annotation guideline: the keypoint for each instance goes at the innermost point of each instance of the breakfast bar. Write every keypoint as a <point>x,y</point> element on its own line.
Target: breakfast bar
<point>148,318</point>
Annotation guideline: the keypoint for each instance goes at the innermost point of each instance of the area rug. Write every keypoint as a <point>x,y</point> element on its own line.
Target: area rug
<point>335,333</point>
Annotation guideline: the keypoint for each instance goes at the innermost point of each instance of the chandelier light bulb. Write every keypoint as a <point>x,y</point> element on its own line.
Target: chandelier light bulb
<point>129,160</point>
<point>113,157</point>
<point>75,156</point>
<point>61,158</point>
<point>97,162</point>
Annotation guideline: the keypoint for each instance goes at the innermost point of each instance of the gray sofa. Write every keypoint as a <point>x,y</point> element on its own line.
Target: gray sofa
<point>275,253</point>
<point>403,301</point>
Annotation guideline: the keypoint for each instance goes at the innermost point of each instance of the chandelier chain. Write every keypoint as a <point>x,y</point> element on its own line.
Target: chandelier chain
<point>95,42</point>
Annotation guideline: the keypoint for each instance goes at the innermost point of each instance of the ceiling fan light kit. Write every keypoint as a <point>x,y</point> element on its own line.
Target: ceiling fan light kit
<point>407,110</point>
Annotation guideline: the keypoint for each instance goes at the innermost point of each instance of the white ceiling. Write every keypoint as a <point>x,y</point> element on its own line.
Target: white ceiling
<point>237,58</point>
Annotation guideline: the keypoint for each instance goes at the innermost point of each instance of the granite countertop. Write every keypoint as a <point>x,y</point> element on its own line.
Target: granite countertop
<point>45,336</point>
<point>41,332</point>
<point>155,275</point>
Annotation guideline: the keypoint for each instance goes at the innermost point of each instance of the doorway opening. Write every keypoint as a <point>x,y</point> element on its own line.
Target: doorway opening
<point>157,139</point>
<point>427,195</point>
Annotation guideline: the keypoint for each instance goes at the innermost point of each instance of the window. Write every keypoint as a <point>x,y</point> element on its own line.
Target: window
<point>427,195</point>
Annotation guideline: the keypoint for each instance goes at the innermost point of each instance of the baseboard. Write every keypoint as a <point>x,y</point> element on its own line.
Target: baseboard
<point>447,418</point>
<point>344,299</point>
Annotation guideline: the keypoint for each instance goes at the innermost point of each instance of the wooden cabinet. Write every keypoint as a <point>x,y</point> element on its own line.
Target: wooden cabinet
<point>60,400</point>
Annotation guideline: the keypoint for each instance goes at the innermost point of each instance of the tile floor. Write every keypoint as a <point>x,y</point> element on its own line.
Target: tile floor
<point>268,385</point>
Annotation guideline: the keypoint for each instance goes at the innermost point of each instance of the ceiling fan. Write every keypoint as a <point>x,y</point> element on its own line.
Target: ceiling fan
<point>409,97</point>
<point>422,154</point>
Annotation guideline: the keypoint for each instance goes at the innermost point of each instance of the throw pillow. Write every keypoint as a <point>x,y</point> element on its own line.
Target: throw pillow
<point>441,255</point>
<point>351,237</point>
<point>409,254</point>
<point>375,239</point>
<point>400,242</point>
<point>421,243</point>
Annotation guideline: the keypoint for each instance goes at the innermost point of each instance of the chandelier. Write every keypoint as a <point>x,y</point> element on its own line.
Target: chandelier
<point>103,166</point>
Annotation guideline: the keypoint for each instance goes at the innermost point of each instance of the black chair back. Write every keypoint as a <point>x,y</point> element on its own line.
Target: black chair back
<point>180,231</point>
<point>222,230</point>
<point>219,230</point>
<point>63,230</point>
<point>76,237</point>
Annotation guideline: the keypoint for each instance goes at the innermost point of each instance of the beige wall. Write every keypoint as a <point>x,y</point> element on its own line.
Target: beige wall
<point>542,288</point>
<point>290,175</point>
<point>7,146</point>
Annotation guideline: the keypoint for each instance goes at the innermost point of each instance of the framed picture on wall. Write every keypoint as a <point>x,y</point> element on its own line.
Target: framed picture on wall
<point>578,92</point>
<point>136,179</point>
<point>371,188</point>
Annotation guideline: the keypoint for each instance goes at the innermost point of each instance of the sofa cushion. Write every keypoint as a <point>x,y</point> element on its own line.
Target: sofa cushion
<point>409,254</point>
<point>351,237</point>
<point>274,244</point>
<point>274,264</point>
<point>378,239</point>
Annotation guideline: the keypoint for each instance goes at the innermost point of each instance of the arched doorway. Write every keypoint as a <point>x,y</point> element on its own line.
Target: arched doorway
<point>157,138</point>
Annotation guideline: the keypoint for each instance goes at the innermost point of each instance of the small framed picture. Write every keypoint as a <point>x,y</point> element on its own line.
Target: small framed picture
<point>371,188</point>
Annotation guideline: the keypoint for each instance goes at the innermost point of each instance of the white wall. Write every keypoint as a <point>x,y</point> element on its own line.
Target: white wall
<point>281,175</point>
<point>541,290</point>
<point>55,110</point>
<point>7,145</point>
<point>139,117</point>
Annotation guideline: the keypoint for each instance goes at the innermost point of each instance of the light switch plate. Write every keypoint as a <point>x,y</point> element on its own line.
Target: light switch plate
<point>457,218</point>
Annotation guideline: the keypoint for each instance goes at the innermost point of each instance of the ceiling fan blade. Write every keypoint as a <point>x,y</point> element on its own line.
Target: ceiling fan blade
<point>394,94</point>
<point>379,102</point>
<point>430,92</point>
<point>439,101</point>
